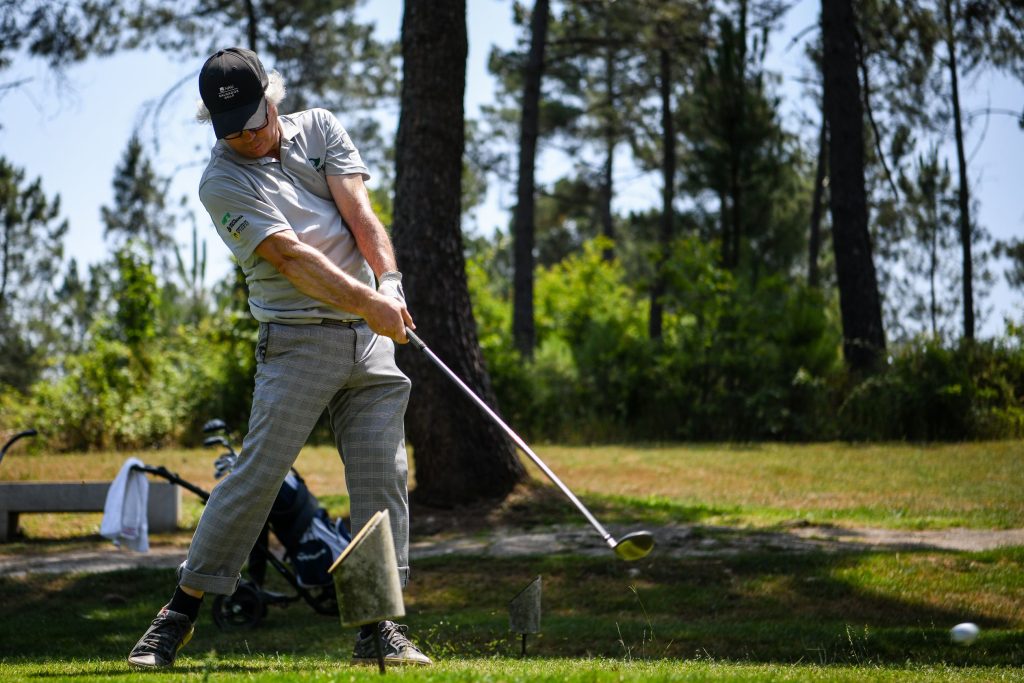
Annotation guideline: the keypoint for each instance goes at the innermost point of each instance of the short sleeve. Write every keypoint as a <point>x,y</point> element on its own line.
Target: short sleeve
<point>242,216</point>
<point>342,156</point>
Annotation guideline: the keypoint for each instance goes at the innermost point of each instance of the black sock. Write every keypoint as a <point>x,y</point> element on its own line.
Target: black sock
<point>183,603</point>
<point>366,630</point>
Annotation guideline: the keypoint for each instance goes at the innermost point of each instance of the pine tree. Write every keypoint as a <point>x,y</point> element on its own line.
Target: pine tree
<point>329,58</point>
<point>928,48</point>
<point>140,206</point>
<point>31,250</point>
<point>460,456</point>
<point>80,302</point>
<point>860,306</point>
<point>670,35</point>
<point>737,152</point>
<point>523,218</point>
<point>931,210</point>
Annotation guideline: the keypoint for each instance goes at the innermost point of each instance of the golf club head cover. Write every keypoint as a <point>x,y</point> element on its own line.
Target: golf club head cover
<point>391,285</point>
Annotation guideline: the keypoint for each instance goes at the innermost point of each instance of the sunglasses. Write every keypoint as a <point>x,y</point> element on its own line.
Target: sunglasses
<point>257,129</point>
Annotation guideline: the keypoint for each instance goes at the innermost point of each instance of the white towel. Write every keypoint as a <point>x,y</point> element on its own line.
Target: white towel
<point>124,513</point>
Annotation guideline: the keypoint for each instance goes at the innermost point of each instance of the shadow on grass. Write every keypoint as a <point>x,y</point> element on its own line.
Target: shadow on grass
<point>534,504</point>
<point>125,671</point>
<point>822,608</point>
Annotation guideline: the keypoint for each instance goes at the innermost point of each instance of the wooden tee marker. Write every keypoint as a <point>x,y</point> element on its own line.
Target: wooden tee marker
<point>366,579</point>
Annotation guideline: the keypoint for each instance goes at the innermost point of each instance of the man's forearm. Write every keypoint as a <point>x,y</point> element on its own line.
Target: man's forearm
<point>353,202</point>
<point>373,242</point>
<point>313,274</point>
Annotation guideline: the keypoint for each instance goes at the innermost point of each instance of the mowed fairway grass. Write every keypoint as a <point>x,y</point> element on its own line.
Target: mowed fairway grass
<point>762,614</point>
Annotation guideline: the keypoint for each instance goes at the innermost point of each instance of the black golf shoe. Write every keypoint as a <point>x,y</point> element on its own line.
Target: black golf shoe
<point>395,646</point>
<point>159,645</point>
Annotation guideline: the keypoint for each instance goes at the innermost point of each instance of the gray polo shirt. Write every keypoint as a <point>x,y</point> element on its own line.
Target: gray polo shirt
<point>251,199</point>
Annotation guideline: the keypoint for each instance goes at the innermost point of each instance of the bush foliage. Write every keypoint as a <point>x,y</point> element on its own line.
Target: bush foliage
<point>738,361</point>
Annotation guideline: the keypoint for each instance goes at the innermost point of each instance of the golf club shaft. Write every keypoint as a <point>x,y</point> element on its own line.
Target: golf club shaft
<point>421,345</point>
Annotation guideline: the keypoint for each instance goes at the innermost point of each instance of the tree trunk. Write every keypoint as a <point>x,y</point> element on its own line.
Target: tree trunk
<point>668,176</point>
<point>860,306</point>
<point>964,194</point>
<point>739,153</point>
<point>5,264</point>
<point>814,243</point>
<point>607,183</point>
<point>523,331</point>
<point>251,30</point>
<point>933,265</point>
<point>724,221</point>
<point>460,455</point>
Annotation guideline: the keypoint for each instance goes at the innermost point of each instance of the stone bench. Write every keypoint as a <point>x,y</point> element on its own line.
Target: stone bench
<point>87,496</point>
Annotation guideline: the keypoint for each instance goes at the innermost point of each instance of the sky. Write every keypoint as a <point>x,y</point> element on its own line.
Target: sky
<point>72,133</point>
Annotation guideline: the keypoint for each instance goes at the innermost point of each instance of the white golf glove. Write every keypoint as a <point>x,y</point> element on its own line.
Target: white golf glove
<point>391,285</point>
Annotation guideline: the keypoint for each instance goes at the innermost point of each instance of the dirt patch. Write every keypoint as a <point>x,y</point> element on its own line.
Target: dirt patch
<point>89,561</point>
<point>503,541</point>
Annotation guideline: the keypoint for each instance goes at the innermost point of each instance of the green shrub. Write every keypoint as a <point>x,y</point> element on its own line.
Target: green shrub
<point>734,362</point>
<point>123,397</point>
<point>929,392</point>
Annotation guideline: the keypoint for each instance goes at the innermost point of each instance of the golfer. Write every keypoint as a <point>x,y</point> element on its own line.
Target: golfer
<point>286,195</point>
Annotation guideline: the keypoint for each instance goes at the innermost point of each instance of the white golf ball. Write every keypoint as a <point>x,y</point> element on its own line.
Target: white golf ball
<point>964,634</point>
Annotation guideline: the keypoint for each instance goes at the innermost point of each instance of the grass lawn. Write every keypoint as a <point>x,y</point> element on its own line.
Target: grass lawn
<point>974,485</point>
<point>760,615</point>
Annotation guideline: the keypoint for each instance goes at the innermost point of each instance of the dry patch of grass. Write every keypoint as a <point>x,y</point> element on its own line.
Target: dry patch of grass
<point>977,485</point>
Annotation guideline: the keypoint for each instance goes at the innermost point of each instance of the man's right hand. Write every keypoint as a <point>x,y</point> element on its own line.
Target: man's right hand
<point>388,316</point>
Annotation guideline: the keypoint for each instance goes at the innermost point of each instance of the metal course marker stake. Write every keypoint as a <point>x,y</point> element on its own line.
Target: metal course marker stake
<point>524,611</point>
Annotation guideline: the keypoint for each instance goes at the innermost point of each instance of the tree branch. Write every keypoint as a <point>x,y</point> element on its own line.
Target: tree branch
<point>862,62</point>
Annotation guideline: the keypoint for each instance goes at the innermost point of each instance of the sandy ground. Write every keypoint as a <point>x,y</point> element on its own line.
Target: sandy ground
<point>677,541</point>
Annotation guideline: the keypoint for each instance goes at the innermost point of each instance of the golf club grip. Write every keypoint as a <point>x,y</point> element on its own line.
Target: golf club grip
<point>415,340</point>
<point>421,345</point>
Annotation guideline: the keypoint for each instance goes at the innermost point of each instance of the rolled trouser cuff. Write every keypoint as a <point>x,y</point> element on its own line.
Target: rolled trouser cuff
<point>208,583</point>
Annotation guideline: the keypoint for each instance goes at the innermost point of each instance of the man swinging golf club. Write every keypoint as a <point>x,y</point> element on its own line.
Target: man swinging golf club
<point>286,195</point>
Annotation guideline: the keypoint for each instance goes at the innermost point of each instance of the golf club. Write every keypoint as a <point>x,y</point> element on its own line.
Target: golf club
<point>215,425</point>
<point>632,546</point>
<point>10,442</point>
<point>217,440</point>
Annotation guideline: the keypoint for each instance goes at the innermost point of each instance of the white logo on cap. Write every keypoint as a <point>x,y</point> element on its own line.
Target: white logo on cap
<point>226,92</point>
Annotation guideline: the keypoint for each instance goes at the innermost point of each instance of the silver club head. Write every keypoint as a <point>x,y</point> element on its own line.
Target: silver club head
<point>214,425</point>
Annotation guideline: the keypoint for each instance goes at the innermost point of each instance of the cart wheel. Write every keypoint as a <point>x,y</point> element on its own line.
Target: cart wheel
<point>243,609</point>
<point>325,602</point>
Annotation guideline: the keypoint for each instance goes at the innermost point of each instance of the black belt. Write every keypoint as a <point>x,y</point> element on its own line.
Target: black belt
<point>345,323</point>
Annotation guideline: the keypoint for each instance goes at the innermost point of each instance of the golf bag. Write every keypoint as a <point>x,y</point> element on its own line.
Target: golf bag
<point>311,540</point>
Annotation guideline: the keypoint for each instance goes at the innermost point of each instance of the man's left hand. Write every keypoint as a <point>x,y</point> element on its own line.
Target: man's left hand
<point>391,285</point>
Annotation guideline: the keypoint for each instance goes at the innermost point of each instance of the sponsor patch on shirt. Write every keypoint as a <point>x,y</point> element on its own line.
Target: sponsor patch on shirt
<point>234,225</point>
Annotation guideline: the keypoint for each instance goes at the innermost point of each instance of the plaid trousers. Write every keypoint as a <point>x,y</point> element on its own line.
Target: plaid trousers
<point>301,369</point>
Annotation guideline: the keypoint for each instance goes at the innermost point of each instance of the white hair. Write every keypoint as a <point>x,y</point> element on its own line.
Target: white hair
<point>274,93</point>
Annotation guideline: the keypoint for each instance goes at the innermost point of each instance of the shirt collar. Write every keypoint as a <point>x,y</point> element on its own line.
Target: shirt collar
<point>289,129</point>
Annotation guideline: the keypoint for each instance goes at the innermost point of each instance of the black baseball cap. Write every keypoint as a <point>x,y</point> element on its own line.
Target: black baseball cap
<point>232,83</point>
